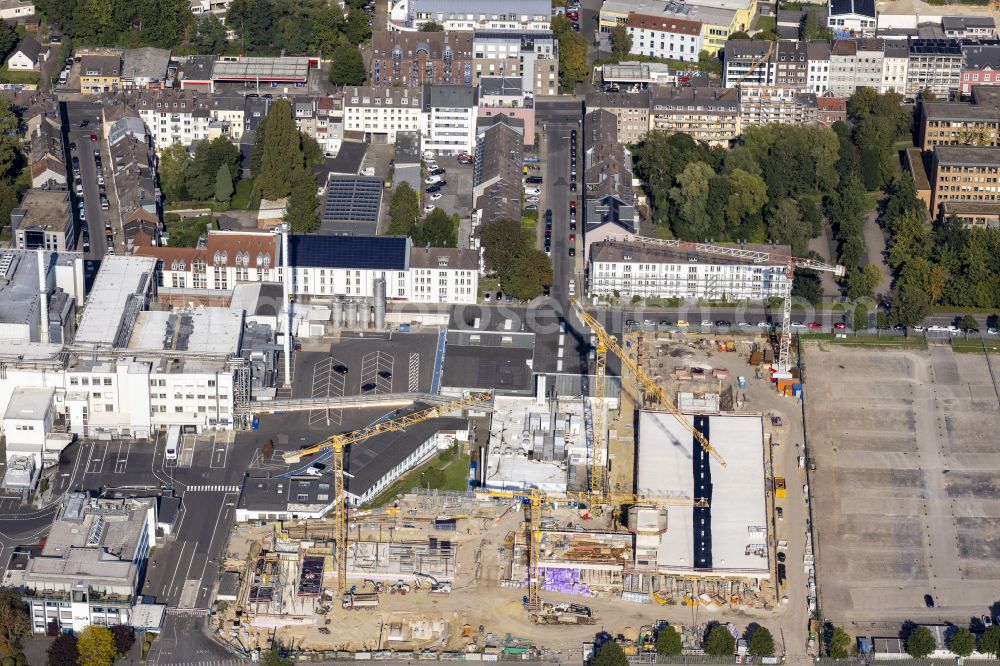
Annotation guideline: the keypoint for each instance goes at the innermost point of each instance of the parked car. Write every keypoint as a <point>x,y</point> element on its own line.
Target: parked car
<point>341,369</point>
<point>840,326</point>
<point>435,196</point>
<point>815,325</point>
<point>430,180</point>
<point>531,207</point>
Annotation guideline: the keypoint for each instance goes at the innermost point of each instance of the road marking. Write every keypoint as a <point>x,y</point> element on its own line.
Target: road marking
<point>185,457</point>
<point>122,462</point>
<point>92,465</point>
<point>180,559</point>
<point>220,452</point>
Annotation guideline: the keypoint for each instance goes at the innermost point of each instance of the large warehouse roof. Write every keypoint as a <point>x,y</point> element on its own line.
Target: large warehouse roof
<point>261,69</point>
<point>736,518</point>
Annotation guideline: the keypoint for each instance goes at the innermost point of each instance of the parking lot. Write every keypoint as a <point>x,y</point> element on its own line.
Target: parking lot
<point>905,484</point>
<point>456,196</point>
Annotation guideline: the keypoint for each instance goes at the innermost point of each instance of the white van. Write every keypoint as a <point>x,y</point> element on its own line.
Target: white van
<point>572,287</point>
<point>173,442</point>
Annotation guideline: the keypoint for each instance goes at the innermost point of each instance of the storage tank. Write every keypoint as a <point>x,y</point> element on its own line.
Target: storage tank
<point>338,312</point>
<point>350,314</point>
<point>379,304</point>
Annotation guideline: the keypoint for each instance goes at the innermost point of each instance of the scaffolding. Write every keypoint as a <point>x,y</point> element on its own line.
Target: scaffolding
<point>242,414</point>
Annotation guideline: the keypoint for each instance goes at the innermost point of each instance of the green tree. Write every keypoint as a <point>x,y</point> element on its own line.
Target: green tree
<point>281,152</point>
<point>202,171</point>
<point>609,654</point>
<point>840,644</point>
<point>404,210</point>
<point>223,184</point>
<point>573,66</point>
<point>97,646</point>
<point>532,270</point>
<point>962,642</point>
<point>668,642</point>
<point>920,643</point>
<point>209,35</point>
<point>8,202</point>
<point>720,643</point>
<point>785,225</point>
<point>749,194</point>
<point>909,306</point>
<point>989,643</point>
<point>761,643</point>
<point>63,651</point>
<point>357,29</point>
<point>560,24</point>
<point>859,320</point>
<point>437,230</point>
<point>432,26</point>
<point>966,323</point>
<point>124,636</point>
<point>621,42</point>
<point>347,68</point>
<point>928,95</point>
<point>14,621</point>
<point>503,243</point>
<point>254,22</point>
<point>328,27</point>
<point>164,23</point>
<point>273,658</point>
<point>300,212</point>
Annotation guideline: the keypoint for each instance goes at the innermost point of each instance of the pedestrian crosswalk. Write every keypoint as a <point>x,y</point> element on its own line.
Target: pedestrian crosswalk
<point>213,489</point>
<point>223,662</point>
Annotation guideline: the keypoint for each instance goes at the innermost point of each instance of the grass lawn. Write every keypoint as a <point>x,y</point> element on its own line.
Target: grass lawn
<point>442,473</point>
<point>974,345</point>
<point>487,285</point>
<point>195,205</point>
<point>766,23</point>
<point>868,342</point>
<point>7,76</point>
<point>184,232</point>
<point>245,197</point>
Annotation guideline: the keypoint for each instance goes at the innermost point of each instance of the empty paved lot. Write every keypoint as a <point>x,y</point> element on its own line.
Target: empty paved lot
<point>907,482</point>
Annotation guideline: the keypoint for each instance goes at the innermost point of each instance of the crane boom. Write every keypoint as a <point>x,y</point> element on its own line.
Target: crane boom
<point>336,444</point>
<point>535,498</point>
<point>651,387</point>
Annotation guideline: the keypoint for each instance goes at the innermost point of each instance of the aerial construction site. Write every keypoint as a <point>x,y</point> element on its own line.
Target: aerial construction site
<point>621,506</point>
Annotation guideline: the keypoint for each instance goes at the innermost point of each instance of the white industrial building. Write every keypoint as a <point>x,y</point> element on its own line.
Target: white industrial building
<point>412,15</point>
<point>39,294</point>
<point>729,537</point>
<point>29,427</point>
<point>92,565</point>
<point>629,269</point>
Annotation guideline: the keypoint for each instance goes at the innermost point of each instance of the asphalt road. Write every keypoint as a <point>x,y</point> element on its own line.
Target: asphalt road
<point>74,114</point>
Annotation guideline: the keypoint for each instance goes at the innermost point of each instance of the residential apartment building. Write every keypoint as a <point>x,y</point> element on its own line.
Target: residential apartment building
<point>665,37</point>
<point>229,109</point>
<point>857,17</point>
<point>412,15</point>
<point>818,53</point>
<point>92,564</point>
<point>958,124</point>
<point>532,55</point>
<point>980,66</point>
<point>607,174</point>
<point>869,62</point>
<point>228,258</point>
<point>765,105</point>
<point>748,61</point>
<point>631,110</point>
<point>47,160</point>
<point>413,59</point>
<point>506,95</point>
<point>380,112</point>
<point>173,116</point>
<point>843,67</point>
<point>443,275</point>
<point>711,115</point>
<point>895,65</point>
<point>100,73</point>
<point>965,174</point>
<point>791,65</point>
<point>935,64</point>
<point>969,27</point>
<point>496,173</point>
<point>652,270</point>
<point>450,114</point>
<point>718,18</point>
<point>43,220</point>
<point>133,175</point>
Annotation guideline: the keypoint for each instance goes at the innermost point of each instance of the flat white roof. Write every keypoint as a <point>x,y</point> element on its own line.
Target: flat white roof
<point>205,330</point>
<point>737,503</point>
<point>29,403</point>
<point>119,278</point>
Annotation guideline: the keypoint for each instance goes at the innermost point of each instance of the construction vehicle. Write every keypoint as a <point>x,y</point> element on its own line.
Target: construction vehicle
<point>336,444</point>
<point>359,600</point>
<point>783,362</point>
<point>779,487</point>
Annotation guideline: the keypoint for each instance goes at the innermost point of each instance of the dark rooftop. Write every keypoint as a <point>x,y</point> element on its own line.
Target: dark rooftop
<point>860,7</point>
<point>390,253</point>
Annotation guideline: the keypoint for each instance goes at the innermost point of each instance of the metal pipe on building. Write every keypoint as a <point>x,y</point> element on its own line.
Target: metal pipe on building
<point>43,296</point>
<point>286,281</point>
<point>379,304</point>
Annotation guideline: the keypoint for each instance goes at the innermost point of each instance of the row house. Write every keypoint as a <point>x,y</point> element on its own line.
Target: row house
<point>631,109</point>
<point>174,116</point>
<point>935,65</point>
<point>506,95</point>
<point>748,61</point>
<point>133,174</point>
<point>497,169</point>
<point>980,66</point>
<point>665,37</point>
<point>532,55</point>
<point>607,174</point>
<point>414,59</point>
<point>818,66</point>
<point>711,115</point>
<point>46,156</point>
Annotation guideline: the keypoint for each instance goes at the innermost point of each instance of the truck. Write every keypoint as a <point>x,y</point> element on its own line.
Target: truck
<point>779,487</point>
<point>359,600</point>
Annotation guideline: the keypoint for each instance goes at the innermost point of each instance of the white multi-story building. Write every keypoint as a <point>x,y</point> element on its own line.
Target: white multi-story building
<point>383,111</point>
<point>647,270</point>
<point>665,36</point>
<point>531,54</point>
<point>408,15</point>
<point>450,119</point>
<point>818,60</point>
<point>173,116</point>
<point>443,275</point>
<point>228,257</point>
<point>92,565</point>
<point>895,62</point>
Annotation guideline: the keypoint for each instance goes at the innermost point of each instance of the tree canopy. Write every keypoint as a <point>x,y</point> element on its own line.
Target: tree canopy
<point>15,623</point>
<point>124,636</point>
<point>348,67</point>
<point>840,644</point>
<point>438,229</point>
<point>404,210</point>
<point>281,153</point>
<point>63,651</point>
<point>920,643</point>
<point>989,642</point>
<point>609,654</point>
<point>573,66</point>
<point>96,646</point>
<point>761,643</point>
<point>201,173</point>
<point>509,253</point>
<point>300,213</point>
<point>270,26</point>
<point>668,642</point>
<point>962,642</point>
<point>720,642</point>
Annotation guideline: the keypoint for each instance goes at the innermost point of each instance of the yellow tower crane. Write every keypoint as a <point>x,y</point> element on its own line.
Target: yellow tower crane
<point>337,443</point>
<point>535,499</point>
<point>606,342</point>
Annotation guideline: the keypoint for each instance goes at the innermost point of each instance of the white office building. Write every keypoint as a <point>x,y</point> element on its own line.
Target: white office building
<point>381,112</point>
<point>647,270</point>
<point>450,119</point>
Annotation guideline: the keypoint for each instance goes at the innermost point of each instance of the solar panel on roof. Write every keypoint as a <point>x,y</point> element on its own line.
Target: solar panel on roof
<point>387,253</point>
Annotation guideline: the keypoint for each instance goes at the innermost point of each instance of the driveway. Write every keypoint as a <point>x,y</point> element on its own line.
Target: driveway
<point>876,247</point>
